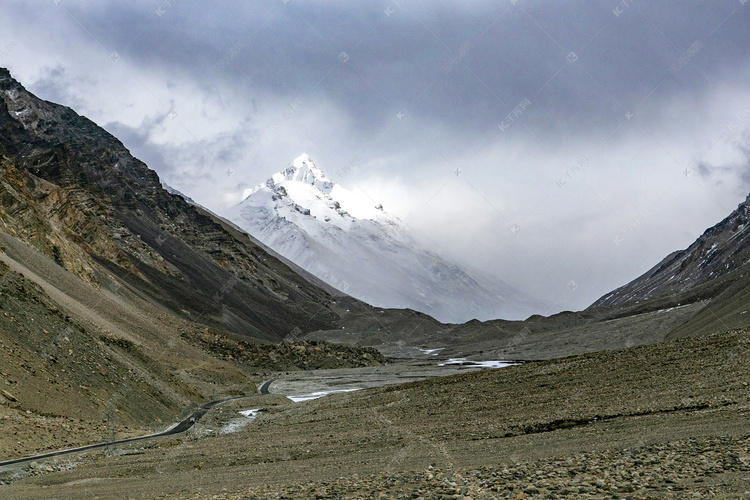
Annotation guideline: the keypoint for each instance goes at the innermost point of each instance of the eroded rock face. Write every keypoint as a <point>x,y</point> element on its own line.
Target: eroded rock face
<point>68,225</point>
<point>74,192</point>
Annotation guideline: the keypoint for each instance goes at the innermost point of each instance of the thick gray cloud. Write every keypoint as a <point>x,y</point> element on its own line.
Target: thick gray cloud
<point>605,135</point>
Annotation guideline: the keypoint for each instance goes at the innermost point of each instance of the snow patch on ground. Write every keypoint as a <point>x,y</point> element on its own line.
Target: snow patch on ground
<point>477,364</point>
<point>671,308</point>
<point>431,351</point>
<point>250,413</point>
<point>320,394</point>
<point>236,424</point>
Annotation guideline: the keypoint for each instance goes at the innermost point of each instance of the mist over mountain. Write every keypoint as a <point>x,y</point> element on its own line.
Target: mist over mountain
<point>347,240</point>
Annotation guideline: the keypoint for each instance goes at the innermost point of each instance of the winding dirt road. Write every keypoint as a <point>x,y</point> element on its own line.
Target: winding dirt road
<point>178,428</point>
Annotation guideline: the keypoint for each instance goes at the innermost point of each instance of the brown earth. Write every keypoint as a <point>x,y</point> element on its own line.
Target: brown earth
<point>661,421</point>
<point>80,365</point>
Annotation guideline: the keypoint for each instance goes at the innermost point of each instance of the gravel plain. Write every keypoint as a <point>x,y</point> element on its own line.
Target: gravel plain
<point>669,420</point>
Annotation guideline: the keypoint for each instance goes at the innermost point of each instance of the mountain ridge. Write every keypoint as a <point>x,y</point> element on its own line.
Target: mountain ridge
<point>704,268</point>
<point>100,211</point>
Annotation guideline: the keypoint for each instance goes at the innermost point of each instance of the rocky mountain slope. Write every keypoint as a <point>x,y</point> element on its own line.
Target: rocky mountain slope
<point>354,245</point>
<point>76,370</point>
<point>714,271</point>
<point>80,364</point>
<point>74,192</point>
<point>121,305</point>
<point>715,260</point>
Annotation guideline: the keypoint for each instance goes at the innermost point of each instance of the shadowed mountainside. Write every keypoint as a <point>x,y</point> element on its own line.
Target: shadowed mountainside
<point>73,191</point>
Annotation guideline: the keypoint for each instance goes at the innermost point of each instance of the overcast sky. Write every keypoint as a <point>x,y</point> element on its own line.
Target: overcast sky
<point>564,147</point>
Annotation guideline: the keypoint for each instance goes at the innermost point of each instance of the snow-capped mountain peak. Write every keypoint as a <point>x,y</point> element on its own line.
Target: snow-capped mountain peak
<point>347,239</point>
<point>304,184</point>
<point>304,170</point>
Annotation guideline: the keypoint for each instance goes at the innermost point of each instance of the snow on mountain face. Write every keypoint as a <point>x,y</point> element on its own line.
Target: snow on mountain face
<point>350,242</point>
<point>303,170</point>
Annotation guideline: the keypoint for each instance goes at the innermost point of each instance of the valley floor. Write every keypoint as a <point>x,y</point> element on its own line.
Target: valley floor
<point>669,420</point>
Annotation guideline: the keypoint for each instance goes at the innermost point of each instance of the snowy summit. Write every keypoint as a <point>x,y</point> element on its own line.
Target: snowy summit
<point>349,241</point>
